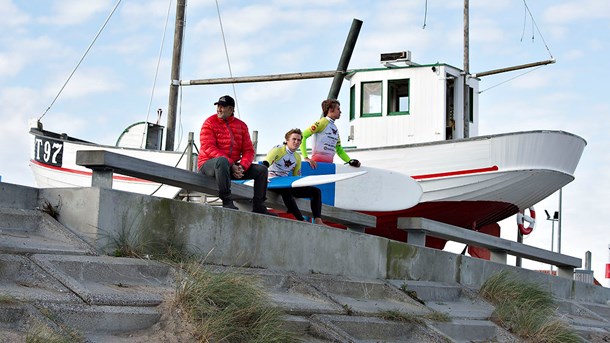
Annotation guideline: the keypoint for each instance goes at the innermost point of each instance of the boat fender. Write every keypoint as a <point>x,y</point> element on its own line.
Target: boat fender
<point>531,220</point>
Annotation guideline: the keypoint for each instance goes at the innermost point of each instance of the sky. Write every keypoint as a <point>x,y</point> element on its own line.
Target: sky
<point>42,41</point>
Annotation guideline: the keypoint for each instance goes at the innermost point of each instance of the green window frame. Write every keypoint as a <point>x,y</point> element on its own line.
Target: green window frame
<point>372,95</point>
<point>399,97</point>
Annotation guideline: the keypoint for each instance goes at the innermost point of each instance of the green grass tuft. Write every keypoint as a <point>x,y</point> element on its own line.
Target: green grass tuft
<point>40,333</point>
<point>229,307</point>
<point>526,309</point>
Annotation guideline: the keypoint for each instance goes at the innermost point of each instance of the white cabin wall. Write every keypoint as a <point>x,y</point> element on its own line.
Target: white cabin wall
<point>425,121</point>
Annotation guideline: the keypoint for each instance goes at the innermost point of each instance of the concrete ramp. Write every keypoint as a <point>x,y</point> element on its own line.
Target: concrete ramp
<point>32,231</point>
<point>105,280</point>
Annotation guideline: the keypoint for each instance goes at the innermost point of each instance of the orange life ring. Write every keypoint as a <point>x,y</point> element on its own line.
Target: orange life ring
<point>531,220</point>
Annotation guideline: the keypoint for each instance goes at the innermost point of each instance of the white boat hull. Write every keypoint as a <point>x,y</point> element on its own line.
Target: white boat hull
<point>53,162</point>
<point>478,181</point>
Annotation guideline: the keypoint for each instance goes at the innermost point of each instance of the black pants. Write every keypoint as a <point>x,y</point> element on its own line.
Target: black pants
<point>220,169</point>
<point>314,195</point>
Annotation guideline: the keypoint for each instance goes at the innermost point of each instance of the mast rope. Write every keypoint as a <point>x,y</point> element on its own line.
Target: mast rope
<point>152,92</point>
<point>526,12</point>
<point>512,78</point>
<point>224,41</point>
<point>527,9</point>
<point>425,15</point>
<point>81,59</point>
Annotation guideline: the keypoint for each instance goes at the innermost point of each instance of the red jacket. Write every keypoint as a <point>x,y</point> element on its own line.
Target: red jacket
<point>225,137</point>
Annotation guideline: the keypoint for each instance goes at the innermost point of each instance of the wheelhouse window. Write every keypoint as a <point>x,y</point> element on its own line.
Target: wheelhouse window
<point>371,99</point>
<point>398,97</point>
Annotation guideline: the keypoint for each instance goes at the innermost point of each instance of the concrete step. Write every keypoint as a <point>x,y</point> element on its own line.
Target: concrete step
<point>468,330</point>
<point>364,297</point>
<point>371,329</point>
<point>453,300</point>
<point>429,290</point>
<point>592,334</point>
<point>590,321</point>
<point>295,296</point>
<point>600,311</point>
<point>114,281</point>
<point>22,280</point>
<point>32,231</point>
<point>305,330</point>
<point>98,321</point>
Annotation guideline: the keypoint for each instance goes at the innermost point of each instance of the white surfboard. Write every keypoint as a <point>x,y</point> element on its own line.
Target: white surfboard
<point>379,190</point>
<point>304,181</point>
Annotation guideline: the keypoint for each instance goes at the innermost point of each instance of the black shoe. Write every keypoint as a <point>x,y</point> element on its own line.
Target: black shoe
<point>263,210</point>
<point>229,204</point>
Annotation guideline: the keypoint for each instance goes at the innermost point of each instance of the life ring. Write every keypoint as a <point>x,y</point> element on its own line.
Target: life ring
<point>531,220</point>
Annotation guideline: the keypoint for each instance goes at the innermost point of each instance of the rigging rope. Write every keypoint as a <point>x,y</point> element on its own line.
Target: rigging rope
<point>152,92</point>
<point>537,29</point>
<point>526,11</point>
<point>81,59</point>
<point>227,54</point>
<point>512,78</point>
<point>425,15</point>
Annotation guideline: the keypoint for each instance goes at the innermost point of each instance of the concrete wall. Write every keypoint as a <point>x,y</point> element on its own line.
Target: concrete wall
<point>16,196</point>
<point>108,218</point>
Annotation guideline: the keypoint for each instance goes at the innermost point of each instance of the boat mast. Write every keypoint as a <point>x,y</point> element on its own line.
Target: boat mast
<point>346,55</point>
<point>466,88</point>
<point>175,76</point>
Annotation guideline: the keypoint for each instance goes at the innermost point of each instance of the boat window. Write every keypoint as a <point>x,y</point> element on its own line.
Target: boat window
<point>398,97</point>
<point>371,99</point>
<point>352,103</point>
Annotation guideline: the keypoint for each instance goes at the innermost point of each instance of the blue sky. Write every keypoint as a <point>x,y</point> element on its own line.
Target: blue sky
<point>41,41</point>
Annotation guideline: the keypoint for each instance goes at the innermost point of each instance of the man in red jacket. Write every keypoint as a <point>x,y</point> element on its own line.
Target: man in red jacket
<point>227,153</point>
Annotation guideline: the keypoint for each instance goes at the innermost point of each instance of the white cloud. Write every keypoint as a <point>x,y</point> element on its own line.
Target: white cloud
<point>76,12</point>
<point>12,16</point>
<point>576,10</point>
<point>87,81</point>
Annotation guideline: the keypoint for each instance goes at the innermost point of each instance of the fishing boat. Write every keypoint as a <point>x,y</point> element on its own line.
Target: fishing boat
<point>412,118</point>
<point>419,119</point>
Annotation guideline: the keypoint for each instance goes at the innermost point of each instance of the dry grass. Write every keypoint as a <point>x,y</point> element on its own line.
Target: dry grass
<point>7,300</point>
<point>131,243</point>
<point>40,333</point>
<point>418,319</point>
<point>229,307</point>
<point>397,316</point>
<point>526,310</point>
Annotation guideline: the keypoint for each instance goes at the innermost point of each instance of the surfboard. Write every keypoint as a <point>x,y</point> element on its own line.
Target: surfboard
<point>379,190</point>
<point>304,181</point>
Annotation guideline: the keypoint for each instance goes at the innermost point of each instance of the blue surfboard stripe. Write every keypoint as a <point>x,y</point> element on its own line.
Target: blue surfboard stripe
<point>277,182</point>
<point>328,190</point>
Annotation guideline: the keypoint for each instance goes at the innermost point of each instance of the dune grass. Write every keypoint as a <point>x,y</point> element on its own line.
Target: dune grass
<point>40,333</point>
<point>526,310</point>
<point>229,307</point>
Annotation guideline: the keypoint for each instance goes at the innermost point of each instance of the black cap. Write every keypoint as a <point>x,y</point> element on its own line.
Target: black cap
<point>225,100</point>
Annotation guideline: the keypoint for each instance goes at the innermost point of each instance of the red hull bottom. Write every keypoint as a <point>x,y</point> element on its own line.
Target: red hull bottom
<point>475,215</point>
<point>481,216</point>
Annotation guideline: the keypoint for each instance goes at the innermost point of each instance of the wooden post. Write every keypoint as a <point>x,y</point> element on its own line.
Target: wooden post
<point>175,77</point>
